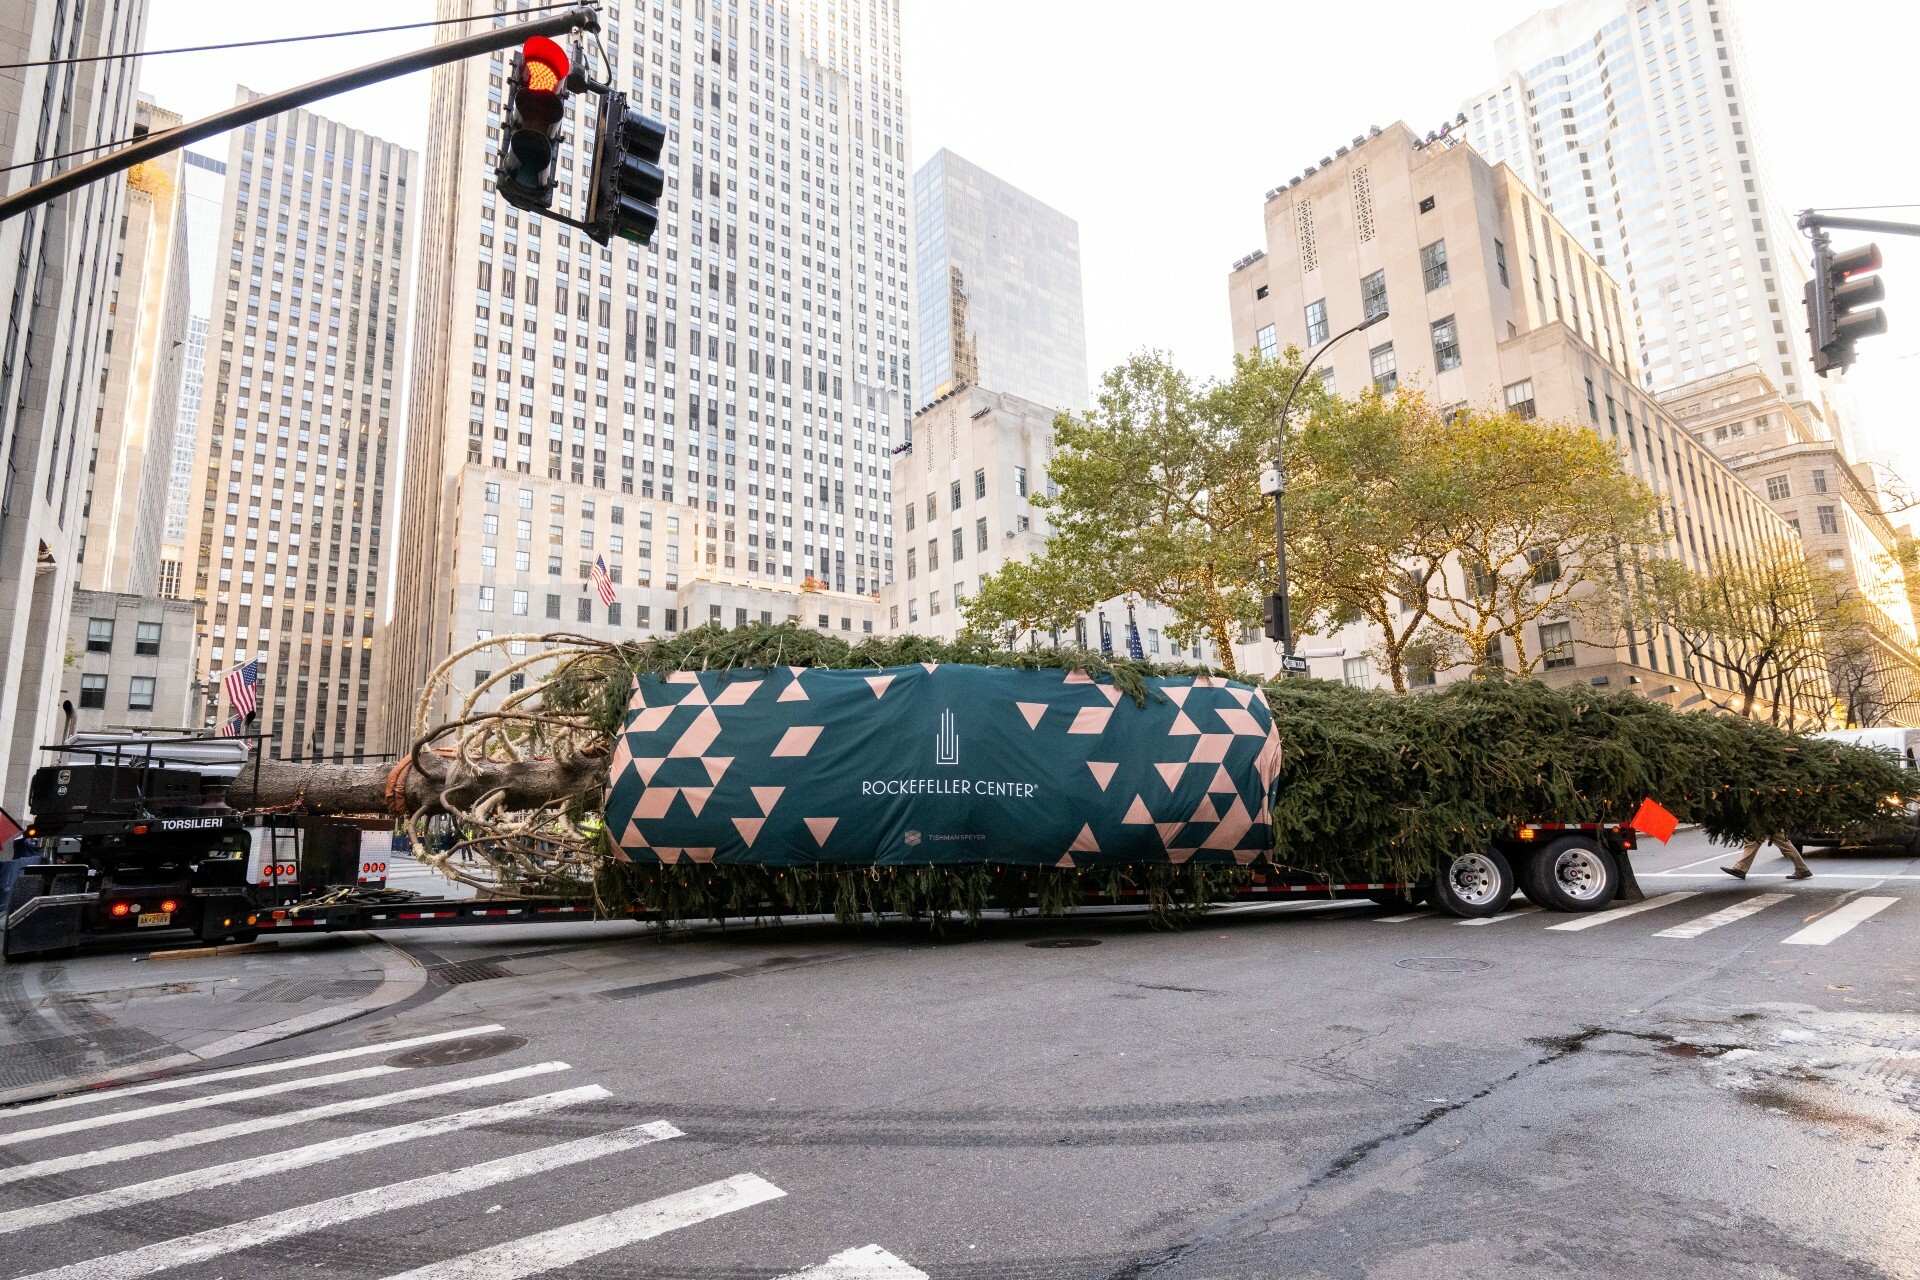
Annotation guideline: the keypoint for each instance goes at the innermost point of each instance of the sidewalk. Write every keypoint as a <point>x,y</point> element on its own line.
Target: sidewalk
<point>106,1015</point>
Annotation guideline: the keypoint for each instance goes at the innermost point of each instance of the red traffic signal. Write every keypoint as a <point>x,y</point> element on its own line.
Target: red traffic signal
<point>544,68</point>
<point>536,109</point>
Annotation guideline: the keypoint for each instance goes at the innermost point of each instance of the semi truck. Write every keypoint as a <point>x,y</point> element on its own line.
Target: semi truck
<point>137,836</point>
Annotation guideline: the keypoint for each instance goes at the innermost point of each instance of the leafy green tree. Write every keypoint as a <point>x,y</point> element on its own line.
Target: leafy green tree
<point>1158,497</point>
<point>1545,516</point>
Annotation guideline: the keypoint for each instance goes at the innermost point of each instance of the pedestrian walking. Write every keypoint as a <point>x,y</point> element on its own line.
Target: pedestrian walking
<point>1781,841</point>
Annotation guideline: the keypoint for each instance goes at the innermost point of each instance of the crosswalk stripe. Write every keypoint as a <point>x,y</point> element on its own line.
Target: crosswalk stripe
<point>247,1128</point>
<point>219,1242</point>
<point>1403,918</point>
<point>1838,922</point>
<point>1504,915</point>
<point>1598,918</point>
<point>1726,915</point>
<point>194,1104</point>
<point>260,1166</point>
<point>577,1241</point>
<point>870,1263</point>
<point>237,1073</point>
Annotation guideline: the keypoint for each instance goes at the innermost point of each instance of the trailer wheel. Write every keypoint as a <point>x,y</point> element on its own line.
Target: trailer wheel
<point>1575,874</point>
<point>1475,884</point>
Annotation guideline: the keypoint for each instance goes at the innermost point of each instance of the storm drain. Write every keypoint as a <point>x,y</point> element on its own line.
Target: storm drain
<point>465,971</point>
<point>1444,964</point>
<point>1048,944</point>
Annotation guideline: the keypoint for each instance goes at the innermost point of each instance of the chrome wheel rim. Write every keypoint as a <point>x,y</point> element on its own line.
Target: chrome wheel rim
<point>1474,879</point>
<point>1580,874</point>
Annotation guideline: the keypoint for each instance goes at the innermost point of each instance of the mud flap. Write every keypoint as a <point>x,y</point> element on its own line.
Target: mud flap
<point>1630,890</point>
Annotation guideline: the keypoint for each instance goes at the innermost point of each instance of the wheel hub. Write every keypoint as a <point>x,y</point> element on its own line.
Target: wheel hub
<point>1474,879</point>
<point>1579,874</point>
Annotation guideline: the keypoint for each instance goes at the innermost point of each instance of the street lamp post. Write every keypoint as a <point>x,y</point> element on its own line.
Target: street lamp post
<point>1279,620</point>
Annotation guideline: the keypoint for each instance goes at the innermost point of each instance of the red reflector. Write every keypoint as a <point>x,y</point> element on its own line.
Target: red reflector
<point>139,828</point>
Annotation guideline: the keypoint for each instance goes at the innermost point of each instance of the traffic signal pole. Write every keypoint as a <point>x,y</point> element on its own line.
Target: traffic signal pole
<point>582,18</point>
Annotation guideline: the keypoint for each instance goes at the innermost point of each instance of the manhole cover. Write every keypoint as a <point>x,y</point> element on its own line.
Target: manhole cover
<point>1443,964</point>
<point>450,1053</point>
<point>1065,942</point>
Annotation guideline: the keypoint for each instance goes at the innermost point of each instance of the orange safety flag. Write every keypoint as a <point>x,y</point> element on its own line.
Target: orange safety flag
<point>1653,819</point>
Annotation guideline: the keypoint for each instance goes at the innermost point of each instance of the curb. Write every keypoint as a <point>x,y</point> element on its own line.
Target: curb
<point>401,976</point>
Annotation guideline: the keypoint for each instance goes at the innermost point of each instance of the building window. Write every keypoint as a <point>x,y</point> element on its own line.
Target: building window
<point>980,483</point>
<point>959,545</point>
<point>912,564</point>
<point>1556,644</point>
<point>1426,205</point>
<point>520,604</point>
<point>1326,379</point>
<point>980,534</point>
<point>1020,481</point>
<point>146,639</point>
<point>486,599</point>
<point>953,495</point>
<point>553,606</point>
<point>1829,522</point>
<point>911,507</point>
<point>1819,480</point>
<point>1385,377</point>
<point>1433,265</point>
<point>1500,262</point>
<point>1316,322</point>
<point>1373,295</point>
<point>1777,488</point>
<point>93,691</point>
<point>586,609</point>
<point>99,635</point>
<point>493,492</point>
<point>1446,344</point>
<point>1260,292</point>
<point>480,677</point>
<point>140,693</point>
<point>1269,346</point>
<point>1353,672</point>
<point>1520,399</point>
<point>933,604</point>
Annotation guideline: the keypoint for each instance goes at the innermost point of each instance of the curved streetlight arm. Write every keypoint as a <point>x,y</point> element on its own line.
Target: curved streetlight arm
<point>1279,605</point>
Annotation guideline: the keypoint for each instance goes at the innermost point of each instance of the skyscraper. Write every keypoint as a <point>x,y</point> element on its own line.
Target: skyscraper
<point>711,415</point>
<point>58,272</point>
<point>205,187</point>
<point>999,281</point>
<point>1630,118</point>
<point>297,406</point>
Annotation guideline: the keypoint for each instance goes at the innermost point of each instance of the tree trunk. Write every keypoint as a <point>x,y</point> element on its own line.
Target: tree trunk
<point>1223,641</point>
<point>362,788</point>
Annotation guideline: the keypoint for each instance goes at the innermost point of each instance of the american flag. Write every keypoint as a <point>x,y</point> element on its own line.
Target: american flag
<point>1134,650</point>
<point>232,726</point>
<point>602,584</point>
<point>242,686</point>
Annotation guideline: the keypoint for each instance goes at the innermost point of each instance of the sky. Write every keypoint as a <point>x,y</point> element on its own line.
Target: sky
<point>1162,137</point>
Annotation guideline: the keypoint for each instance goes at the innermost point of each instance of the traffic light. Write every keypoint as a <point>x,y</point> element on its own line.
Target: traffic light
<point>536,110</point>
<point>1274,618</point>
<point>1842,284</point>
<point>627,178</point>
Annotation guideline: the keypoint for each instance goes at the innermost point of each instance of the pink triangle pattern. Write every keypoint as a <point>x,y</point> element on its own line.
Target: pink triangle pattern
<point>821,829</point>
<point>1066,861</point>
<point>749,829</point>
<point>1240,694</point>
<point>1137,814</point>
<point>716,765</point>
<point>633,839</point>
<point>1211,749</point>
<point>1032,711</point>
<point>648,766</point>
<point>696,798</point>
<point>1233,824</point>
<point>1113,695</point>
<point>1084,842</point>
<point>1221,781</point>
<point>1090,720</point>
<point>700,855</point>
<point>766,798</point>
<point>650,720</point>
<point>1238,720</point>
<point>1102,771</point>
<point>929,666</point>
<point>1206,812</point>
<point>1177,693</point>
<point>698,737</point>
<point>696,697</point>
<point>798,740</point>
<point>667,856</point>
<point>879,685</point>
<point>1171,774</point>
<point>1183,726</point>
<point>654,802</point>
<point>793,693</point>
<point>1168,830</point>
<point>736,692</point>
<point>1077,677</point>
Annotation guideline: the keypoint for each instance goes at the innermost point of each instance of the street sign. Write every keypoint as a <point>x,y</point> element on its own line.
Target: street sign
<point>1293,665</point>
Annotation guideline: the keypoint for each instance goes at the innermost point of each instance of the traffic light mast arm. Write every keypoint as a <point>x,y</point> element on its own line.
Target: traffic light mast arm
<point>584,17</point>
<point>1811,220</point>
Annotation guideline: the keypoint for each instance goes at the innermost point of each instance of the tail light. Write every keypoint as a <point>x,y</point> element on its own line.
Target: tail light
<point>121,908</point>
<point>169,906</point>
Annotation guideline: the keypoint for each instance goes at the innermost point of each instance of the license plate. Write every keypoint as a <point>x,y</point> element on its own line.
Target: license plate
<point>149,918</point>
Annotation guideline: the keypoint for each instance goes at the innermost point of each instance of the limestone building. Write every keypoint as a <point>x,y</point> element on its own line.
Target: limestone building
<point>732,391</point>
<point>56,267</point>
<point>285,532</point>
<point>1490,302</point>
<point>1797,468</point>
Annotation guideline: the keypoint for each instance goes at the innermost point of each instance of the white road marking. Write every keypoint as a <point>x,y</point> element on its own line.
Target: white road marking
<point>242,1129</point>
<point>218,1242</point>
<point>1504,915</point>
<point>1402,919</point>
<point>870,1263</point>
<point>1726,915</point>
<point>577,1241</point>
<point>1838,922</point>
<point>1772,875</point>
<point>236,1073</point>
<point>1598,918</point>
<point>251,1167</point>
<point>194,1104</point>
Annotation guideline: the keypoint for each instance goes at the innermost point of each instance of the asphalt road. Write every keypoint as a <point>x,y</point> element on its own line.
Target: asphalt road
<point>1724,1083</point>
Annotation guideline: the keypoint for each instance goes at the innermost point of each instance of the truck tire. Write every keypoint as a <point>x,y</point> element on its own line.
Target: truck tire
<point>1574,874</point>
<point>1475,885</point>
